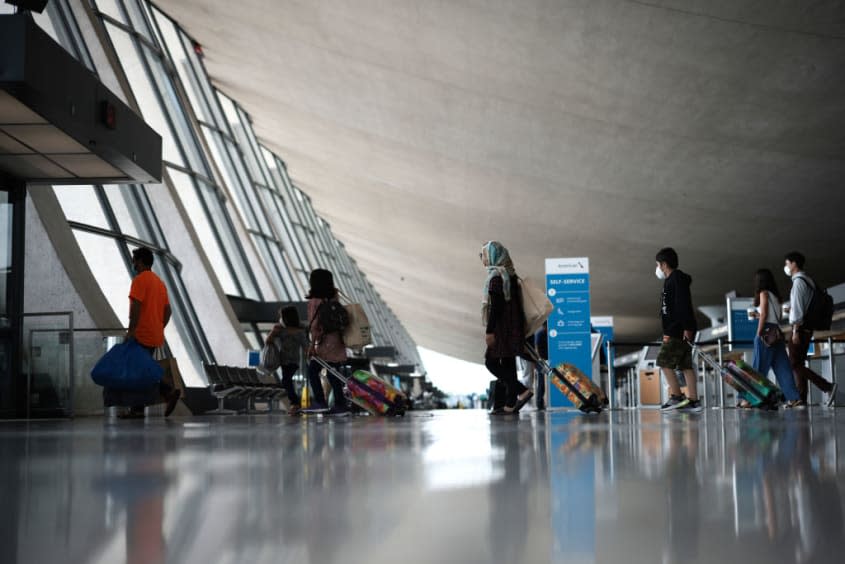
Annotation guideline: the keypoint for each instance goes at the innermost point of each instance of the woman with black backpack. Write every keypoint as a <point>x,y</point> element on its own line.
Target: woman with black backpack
<point>326,340</point>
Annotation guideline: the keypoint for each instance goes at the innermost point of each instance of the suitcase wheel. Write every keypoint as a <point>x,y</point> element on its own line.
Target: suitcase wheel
<point>593,405</point>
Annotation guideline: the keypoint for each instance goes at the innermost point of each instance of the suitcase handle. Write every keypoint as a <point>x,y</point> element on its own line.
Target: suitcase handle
<point>724,372</point>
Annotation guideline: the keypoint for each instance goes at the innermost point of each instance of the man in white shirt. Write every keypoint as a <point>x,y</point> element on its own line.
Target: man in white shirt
<point>800,297</point>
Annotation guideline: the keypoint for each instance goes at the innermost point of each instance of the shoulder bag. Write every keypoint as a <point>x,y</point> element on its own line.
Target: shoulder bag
<point>772,334</point>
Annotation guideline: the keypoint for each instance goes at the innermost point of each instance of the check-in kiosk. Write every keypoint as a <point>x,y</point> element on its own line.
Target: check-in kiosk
<point>650,379</point>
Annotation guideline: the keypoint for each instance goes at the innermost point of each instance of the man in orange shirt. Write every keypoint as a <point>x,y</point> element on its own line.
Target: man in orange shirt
<point>149,313</point>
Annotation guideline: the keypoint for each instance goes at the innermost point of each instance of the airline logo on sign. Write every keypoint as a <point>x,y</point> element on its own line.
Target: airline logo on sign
<point>568,266</point>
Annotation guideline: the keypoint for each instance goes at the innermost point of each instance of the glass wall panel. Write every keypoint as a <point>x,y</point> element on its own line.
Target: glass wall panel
<point>108,266</point>
<point>144,93</point>
<point>123,203</point>
<point>138,19</point>
<point>111,8</point>
<point>80,203</point>
<point>188,142</point>
<point>184,61</point>
<point>194,206</point>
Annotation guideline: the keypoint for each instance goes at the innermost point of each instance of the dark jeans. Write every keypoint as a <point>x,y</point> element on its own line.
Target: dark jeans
<point>507,384</point>
<point>317,394</point>
<point>775,358</point>
<point>797,358</point>
<point>288,370</point>
<point>540,388</point>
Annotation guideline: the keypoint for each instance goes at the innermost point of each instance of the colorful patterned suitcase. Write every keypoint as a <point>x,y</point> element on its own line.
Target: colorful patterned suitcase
<point>749,384</point>
<point>574,384</point>
<point>578,380</point>
<point>761,390</point>
<point>370,392</point>
<point>375,395</point>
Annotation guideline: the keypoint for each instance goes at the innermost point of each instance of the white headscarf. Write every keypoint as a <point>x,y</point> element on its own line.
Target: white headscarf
<point>497,260</point>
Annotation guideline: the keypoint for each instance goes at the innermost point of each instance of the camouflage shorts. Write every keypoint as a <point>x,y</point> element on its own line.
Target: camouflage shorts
<point>675,354</point>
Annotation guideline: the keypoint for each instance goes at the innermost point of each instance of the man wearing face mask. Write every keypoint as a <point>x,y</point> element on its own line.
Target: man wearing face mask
<point>679,327</point>
<point>149,313</point>
<point>800,297</point>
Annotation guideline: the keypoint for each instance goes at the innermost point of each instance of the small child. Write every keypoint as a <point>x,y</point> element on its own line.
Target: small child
<point>291,341</point>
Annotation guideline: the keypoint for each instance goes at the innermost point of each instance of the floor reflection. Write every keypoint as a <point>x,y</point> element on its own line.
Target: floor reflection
<point>630,486</point>
<point>725,486</point>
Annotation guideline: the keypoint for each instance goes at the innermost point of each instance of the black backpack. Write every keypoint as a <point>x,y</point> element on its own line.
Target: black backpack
<point>819,314</point>
<point>333,317</point>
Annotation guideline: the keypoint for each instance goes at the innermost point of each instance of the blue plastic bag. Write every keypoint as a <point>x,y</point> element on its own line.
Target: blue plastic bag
<point>127,366</point>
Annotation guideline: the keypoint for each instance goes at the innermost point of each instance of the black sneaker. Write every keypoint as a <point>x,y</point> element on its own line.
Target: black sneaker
<point>689,406</point>
<point>673,403</point>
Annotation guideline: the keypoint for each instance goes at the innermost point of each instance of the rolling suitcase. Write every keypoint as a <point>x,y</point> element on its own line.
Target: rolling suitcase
<point>370,392</point>
<point>751,386</point>
<point>574,384</point>
<point>763,386</point>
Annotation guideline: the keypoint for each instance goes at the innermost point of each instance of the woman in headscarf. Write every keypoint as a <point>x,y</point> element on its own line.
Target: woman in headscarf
<point>505,320</point>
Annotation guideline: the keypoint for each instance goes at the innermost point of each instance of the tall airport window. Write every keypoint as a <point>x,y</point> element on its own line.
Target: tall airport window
<point>195,207</point>
<point>106,244</point>
<point>144,64</point>
<point>233,155</point>
<point>283,219</point>
<point>107,258</point>
<point>80,204</point>
<point>107,221</point>
<point>292,257</point>
<point>211,155</point>
<point>230,155</point>
<point>333,248</point>
<point>293,214</point>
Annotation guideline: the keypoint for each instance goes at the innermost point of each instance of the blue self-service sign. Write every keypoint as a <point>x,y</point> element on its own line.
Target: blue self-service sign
<point>568,288</point>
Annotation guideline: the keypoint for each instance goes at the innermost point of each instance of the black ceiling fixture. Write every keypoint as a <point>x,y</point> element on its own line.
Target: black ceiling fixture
<point>29,5</point>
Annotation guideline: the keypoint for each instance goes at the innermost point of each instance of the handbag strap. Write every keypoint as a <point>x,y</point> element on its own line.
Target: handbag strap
<point>311,325</point>
<point>771,307</point>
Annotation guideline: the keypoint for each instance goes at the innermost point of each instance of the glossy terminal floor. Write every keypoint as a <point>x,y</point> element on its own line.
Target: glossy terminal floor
<point>631,486</point>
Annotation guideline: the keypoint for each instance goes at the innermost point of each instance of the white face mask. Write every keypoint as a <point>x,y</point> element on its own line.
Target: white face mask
<point>659,273</point>
<point>787,271</point>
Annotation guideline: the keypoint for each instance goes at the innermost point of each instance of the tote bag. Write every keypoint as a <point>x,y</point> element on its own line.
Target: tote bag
<point>535,304</point>
<point>357,334</point>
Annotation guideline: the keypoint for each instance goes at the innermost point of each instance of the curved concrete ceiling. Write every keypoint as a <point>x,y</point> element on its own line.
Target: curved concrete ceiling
<point>600,128</point>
